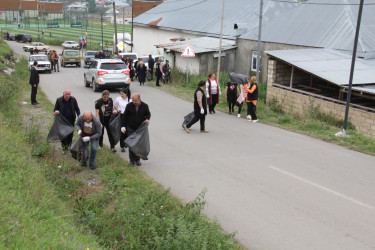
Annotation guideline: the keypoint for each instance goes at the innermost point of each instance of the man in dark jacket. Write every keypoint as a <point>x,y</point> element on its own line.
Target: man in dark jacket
<point>67,106</point>
<point>136,113</point>
<point>103,108</point>
<point>34,81</point>
<point>90,129</point>
<point>151,63</point>
<point>200,108</point>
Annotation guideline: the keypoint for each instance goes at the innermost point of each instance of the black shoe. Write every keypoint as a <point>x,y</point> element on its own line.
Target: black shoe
<point>92,166</point>
<point>131,164</point>
<point>230,112</point>
<point>84,164</point>
<point>122,149</point>
<point>113,150</point>
<point>138,163</point>
<point>211,112</point>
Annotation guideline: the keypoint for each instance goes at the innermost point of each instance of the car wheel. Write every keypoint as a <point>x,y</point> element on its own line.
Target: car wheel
<point>50,71</point>
<point>95,87</point>
<point>87,84</point>
<point>79,65</point>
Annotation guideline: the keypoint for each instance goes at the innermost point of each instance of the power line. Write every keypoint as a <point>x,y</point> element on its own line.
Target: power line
<point>310,3</point>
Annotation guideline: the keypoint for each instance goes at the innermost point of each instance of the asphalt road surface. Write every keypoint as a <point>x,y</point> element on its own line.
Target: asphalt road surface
<point>274,188</point>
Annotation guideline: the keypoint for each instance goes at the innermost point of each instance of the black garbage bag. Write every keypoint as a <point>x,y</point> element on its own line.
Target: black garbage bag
<point>115,127</point>
<point>148,76</point>
<point>80,150</point>
<point>188,118</point>
<point>238,78</point>
<point>60,129</point>
<point>139,142</point>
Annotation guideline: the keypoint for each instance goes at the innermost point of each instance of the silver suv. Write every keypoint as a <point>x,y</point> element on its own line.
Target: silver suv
<point>107,74</point>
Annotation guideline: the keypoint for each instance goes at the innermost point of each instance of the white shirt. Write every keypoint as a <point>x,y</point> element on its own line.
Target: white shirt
<point>213,88</point>
<point>121,103</point>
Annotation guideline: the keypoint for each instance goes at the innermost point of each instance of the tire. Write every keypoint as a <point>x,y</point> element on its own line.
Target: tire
<point>63,64</point>
<point>95,87</point>
<point>50,71</point>
<point>79,65</point>
<point>87,84</point>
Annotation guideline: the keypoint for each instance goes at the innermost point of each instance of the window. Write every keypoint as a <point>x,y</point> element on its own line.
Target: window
<point>254,57</point>
<point>113,66</point>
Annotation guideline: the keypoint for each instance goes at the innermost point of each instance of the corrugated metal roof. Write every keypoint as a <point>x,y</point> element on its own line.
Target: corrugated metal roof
<point>370,89</point>
<point>332,65</point>
<point>203,16</point>
<point>200,45</point>
<point>322,23</point>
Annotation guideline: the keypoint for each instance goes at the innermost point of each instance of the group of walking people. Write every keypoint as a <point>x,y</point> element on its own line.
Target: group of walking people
<point>91,127</point>
<point>235,94</point>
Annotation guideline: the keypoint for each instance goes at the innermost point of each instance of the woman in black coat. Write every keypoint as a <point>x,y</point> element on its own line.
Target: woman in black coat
<point>141,73</point>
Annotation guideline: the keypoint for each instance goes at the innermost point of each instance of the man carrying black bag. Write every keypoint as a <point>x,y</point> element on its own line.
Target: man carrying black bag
<point>200,109</point>
<point>136,113</point>
<point>67,106</point>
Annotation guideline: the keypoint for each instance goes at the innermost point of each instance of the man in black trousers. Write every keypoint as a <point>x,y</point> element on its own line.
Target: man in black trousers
<point>136,113</point>
<point>200,108</point>
<point>67,106</point>
<point>34,81</point>
<point>151,63</point>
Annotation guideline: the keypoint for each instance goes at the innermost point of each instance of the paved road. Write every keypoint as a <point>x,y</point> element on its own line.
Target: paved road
<point>275,188</point>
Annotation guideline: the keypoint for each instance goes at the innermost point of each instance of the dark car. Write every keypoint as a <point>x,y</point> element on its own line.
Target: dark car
<point>24,38</point>
<point>27,39</point>
<point>11,36</point>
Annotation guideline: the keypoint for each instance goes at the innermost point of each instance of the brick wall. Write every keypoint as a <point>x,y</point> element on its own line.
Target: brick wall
<point>293,102</point>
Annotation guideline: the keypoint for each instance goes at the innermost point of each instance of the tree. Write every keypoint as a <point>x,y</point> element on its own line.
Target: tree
<point>92,6</point>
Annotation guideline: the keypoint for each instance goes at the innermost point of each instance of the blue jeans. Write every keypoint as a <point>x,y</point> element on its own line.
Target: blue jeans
<point>94,147</point>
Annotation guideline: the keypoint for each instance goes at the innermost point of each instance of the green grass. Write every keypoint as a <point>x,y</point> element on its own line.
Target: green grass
<point>56,36</point>
<point>313,122</point>
<point>47,201</point>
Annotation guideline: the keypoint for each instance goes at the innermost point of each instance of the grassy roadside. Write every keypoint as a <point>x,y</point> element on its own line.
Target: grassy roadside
<point>54,203</point>
<point>313,122</point>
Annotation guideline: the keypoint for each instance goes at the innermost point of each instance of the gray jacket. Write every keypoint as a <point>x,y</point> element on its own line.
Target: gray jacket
<point>96,125</point>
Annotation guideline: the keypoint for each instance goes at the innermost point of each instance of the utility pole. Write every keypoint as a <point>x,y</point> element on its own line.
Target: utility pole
<point>123,26</point>
<point>131,50</point>
<point>221,39</point>
<point>101,21</point>
<point>259,39</point>
<point>114,16</point>
<point>352,66</point>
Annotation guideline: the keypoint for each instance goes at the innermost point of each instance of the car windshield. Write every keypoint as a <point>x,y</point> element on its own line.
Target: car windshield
<point>39,58</point>
<point>71,53</point>
<point>90,53</point>
<point>113,66</point>
<point>134,57</point>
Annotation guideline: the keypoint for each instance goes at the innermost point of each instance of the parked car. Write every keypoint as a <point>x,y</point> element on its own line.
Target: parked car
<point>23,38</point>
<point>43,63</point>
<point>133,56</point>
<point>70,45</point>
<point>39,46</point>
<point>107,74</point>
<point>89,56</point>
<point>70,57</point>
<point>12,36</point>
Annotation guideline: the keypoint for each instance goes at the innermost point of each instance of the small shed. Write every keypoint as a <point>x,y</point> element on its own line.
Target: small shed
<point>206,51</point>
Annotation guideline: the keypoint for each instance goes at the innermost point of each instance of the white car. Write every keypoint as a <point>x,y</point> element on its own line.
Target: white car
<point>43,63</point>
<point>70,45</point>
<point>107,74</point>
<point>39,46</point>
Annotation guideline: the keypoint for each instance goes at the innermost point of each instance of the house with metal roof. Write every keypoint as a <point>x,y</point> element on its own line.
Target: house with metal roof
<point>311,24</point>
<point>206,54</point>
<point>184,20</point>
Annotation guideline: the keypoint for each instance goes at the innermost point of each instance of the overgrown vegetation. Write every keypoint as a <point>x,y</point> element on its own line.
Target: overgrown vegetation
<point>50,202</point>
<point>313,122</point>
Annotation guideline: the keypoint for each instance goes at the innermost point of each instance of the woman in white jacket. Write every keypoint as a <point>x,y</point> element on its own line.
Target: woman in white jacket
<point>213,92</point>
